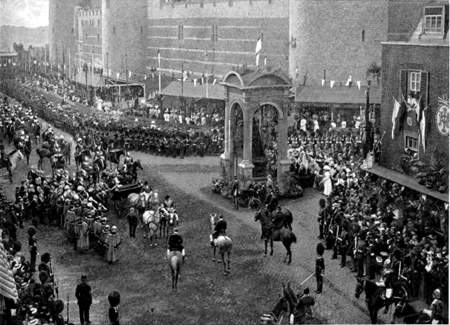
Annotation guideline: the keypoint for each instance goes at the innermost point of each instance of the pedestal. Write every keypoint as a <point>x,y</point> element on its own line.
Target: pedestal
<point>282,176</point>
<point>225,168</point>
<point>245,173</point>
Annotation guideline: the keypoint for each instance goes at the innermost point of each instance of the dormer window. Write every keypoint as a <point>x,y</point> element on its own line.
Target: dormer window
<point>434,19</point>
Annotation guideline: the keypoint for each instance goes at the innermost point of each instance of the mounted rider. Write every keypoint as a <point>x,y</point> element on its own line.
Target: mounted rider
<point>175,244</point>
<point>220,228</point>
<point>435,312</point>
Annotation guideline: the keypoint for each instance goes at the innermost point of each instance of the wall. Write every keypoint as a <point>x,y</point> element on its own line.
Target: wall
<point>124,37</point>
<point>217,35</point>
<point>434,60</point>
<point>328,36</point>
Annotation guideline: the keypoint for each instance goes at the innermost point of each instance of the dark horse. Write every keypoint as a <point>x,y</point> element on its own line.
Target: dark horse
<point>373,294</point>
<point>270,233</point>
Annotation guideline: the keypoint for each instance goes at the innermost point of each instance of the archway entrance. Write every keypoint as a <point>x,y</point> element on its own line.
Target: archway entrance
<point>237,130</point>
<point>264,141</point>
<point>262,96</point>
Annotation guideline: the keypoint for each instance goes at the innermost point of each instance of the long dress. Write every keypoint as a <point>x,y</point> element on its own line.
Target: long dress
<point>83,239</point>
<point>327,186</point>
<point>113,242</point>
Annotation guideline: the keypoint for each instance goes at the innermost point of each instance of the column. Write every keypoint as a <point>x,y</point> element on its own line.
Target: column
<point>246,165</point>
<point>225,161</point>
<point>283,162</point>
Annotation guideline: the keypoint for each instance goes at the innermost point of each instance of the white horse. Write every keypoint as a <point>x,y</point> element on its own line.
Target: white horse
<point>150,222</point>
<point>223,243</point>
<point>11,162</point>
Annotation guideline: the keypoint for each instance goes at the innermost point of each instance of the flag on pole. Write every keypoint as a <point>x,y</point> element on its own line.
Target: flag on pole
<point>358,83</point>
<point>265,60</point>
<point>349,81</point>
<point>117,75</point>
<point>422,126</point>
<point>214,82</point>
<point>195,82</point>
<point>129,74</point>
<point>258,49</point>
<point>159,59</point>
<point>394,116</point>
<point>323,82</point>
<point>332,83</point>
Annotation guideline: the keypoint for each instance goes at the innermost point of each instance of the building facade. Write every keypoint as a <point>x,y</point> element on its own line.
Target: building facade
<point>415,78</point>
<point>124,28</point>
<point>62,31</point>
<point>212,37</point>
<point>88,65</point>
<point>8,65</point>
<point>335,39</point>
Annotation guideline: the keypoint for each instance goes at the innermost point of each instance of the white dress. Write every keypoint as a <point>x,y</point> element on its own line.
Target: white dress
<point>327,186</point>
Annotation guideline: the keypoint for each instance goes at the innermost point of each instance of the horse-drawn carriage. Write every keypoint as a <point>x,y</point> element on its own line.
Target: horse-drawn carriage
<point>120,195</point>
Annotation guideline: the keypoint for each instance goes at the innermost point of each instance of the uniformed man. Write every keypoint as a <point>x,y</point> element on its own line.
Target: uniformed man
<point>235,192</point>
<point>175,244</point>
<point>320,267</point>
<point>220,227</point>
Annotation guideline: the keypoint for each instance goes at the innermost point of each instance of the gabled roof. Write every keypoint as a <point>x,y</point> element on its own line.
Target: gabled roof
<point>189,90</point>
<point>337,95</point>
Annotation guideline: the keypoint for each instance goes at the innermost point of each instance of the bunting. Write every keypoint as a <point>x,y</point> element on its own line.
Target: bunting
<point>394,116</point>
<point>258,49</point>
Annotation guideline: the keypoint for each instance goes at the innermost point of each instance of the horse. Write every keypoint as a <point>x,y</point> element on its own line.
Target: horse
<point>224,243</point>
<point>175,261</point>
<point>11,162</point>
<point>374,296</point>
<point>283,216</point>
<point>114,155</point>
<point>150,222</point>
<point>271,234</point>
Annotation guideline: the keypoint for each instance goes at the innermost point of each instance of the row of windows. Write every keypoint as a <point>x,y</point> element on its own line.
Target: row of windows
<point>94,22</point>
<point>214,32</point>
<point>141,29</point>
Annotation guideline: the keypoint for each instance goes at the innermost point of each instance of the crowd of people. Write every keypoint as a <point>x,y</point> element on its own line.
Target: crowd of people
<point>37,291</point>
<point>167,140</point>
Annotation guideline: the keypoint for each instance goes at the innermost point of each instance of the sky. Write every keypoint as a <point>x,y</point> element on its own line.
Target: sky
<point>28,13</point>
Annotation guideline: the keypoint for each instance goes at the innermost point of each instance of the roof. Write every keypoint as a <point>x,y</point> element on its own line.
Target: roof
<point>8,54</point>
<point>260,78</point>
<point>405,180</point>
<point>199,91</point>
<point>337,95</point>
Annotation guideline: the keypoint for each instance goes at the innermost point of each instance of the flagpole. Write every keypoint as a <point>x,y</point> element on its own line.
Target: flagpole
<point>367,126</point>
<point>159,71</point>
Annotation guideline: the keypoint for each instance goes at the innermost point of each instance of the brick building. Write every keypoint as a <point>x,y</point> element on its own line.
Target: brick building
<point>415,74</point>
<point>331,42</point>
<point>124,27</point>
<point>8,65</point>
<point>212,37</point>
<point>88,64</point>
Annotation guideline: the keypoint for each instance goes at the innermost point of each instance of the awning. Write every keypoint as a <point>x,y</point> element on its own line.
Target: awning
<point>199,91</point>
<point>337,95</point>
<point>406,181</point>
<point>8,287</point>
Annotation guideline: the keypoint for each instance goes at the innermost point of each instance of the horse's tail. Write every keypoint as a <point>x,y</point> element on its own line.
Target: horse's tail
<point>293,237</point>
<point>175,262</point>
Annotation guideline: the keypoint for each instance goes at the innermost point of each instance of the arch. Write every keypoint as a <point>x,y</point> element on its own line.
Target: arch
<point>238,102</point>
<point>269,74</point>
<point>231,73</point>
<point>277,107</point>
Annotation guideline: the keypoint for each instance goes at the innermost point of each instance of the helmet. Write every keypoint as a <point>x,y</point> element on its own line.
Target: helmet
<point>113,229</point>
<point>437,294</point>
<point>387,262</point>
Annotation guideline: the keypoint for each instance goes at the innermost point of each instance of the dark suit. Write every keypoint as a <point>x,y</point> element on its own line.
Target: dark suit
<point>84,297</point>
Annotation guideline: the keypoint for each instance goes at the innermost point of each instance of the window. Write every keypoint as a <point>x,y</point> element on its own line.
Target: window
<point>412,143</point>
<point>434,20</point>
<point>414,81</point>
<point>363,35</point>
<point>114,30</point>
<point>214,35</point>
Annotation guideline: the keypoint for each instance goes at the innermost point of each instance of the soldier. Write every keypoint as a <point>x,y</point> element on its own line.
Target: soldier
<point>320,267</point>
<point>84,298</point>
<point>343,246</point>
<point>175,244</point>
<point>220,227</point>
<point>113,241</point>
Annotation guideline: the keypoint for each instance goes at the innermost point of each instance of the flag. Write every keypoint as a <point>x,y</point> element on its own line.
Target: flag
<point>145,77</point>
<point>422,126</point>
<point>394,115</point>
<point>349,81</point>
<point>323,82</point>
<point>358,83</point>
<point>258,49</point>
<point>214,82</point>
<point>195,82</point>
<point>117,75</point>
<point>129,74</point>
<point>265,60</point>
<point>331,83</point>
<point>185,75</point>
<point>159,59</point>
